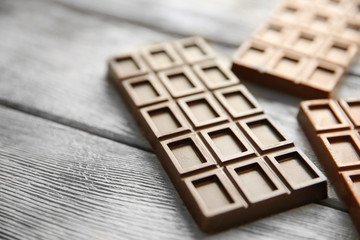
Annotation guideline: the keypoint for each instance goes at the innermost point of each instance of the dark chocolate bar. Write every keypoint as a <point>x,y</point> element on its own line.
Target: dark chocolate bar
<point>227,160</point>
<point>304,49</point>
<point>333,130</point>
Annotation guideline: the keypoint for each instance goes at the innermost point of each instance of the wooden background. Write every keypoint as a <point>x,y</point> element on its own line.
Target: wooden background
<point>73,164</point>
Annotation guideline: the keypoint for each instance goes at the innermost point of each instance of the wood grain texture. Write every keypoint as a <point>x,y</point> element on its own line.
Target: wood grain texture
<point>61,183</point>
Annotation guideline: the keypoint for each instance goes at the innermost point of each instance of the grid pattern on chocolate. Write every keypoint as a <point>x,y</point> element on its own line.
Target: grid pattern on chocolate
<point>304,49</point>
<point>333,129</point>
<point>228,161</point>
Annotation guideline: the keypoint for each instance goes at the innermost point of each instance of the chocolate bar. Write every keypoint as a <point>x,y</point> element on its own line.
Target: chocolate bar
<point>225,157</point>
<point>304,49</point>
<point>333,128</point>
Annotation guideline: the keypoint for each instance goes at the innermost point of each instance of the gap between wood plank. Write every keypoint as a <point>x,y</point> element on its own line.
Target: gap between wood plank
<point>71,123</point>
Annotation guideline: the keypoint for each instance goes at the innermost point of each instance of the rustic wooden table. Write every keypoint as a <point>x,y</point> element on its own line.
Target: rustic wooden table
<point>73,164</point>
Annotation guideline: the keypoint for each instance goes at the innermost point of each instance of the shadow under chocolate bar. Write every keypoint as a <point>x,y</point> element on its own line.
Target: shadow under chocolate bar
<point>333,128</point>
<point>227,160</point>
<point>304,49</point>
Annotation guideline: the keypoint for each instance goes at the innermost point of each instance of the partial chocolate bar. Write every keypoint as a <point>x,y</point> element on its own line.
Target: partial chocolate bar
<point>227,160</point>
<point>304,49</point>
<point>333,130</point>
